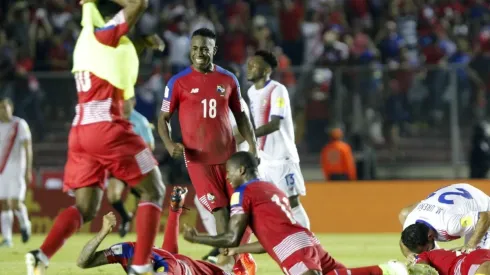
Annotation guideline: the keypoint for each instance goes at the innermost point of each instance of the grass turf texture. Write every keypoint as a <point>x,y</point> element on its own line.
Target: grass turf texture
<point>351,249</point>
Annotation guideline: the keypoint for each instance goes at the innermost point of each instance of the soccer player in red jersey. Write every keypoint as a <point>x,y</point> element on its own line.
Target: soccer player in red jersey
<point>449,262</point>
<point>203,94</point>
<point>265,208</point>
<point>165,260</point>
<point>101,141</point>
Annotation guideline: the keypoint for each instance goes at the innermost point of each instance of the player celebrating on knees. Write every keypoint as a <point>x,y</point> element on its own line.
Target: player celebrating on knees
<point>165,260</point>
<point>142,128</point>
<point>452,212</point>
<point>15,171</point>
<point>265,208</point>
<point>106,69</point>
<point>203,95</point>
<point>271,110</point>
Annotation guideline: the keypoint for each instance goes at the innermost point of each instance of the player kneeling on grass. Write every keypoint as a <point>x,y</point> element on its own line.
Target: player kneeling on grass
<point>452,212</point>
<point>165,260</point>
<point>449,262</point>
<point>265,208</point>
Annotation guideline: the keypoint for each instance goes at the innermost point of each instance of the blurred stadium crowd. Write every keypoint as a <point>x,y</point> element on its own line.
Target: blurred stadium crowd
<point>377,68</point>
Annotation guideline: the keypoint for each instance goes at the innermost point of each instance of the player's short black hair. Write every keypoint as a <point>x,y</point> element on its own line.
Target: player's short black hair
<point>108,8</point>
<point>245,159</point>
<point>268,57</point>
<point>7,99</point>
<point>204,32</point>
<point>415,235</point>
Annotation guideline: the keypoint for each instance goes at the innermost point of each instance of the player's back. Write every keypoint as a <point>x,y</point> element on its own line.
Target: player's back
<point>459,198</point>
<point>273,100</point>
<point>203,102</point>
<point>443,260</point>
<point>271,219</point>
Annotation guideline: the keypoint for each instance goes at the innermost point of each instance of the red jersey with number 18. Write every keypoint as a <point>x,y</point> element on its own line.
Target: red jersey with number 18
<point>203,102</point>
<point>271,219</point>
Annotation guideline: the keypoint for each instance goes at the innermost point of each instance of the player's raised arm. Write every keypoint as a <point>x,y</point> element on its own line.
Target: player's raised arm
<point>88,257</point>
<point>132,9</point>
<point>230,238</point>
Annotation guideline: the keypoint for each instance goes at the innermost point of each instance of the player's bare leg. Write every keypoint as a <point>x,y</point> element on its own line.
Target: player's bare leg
<point>209,223</point>
<point>299,212</point>
<point>87,205</point>
<point>484,269</point>
<point>114,196</point>
<point>7,220</point>
<point>149,210</point>
<point>20,211</point>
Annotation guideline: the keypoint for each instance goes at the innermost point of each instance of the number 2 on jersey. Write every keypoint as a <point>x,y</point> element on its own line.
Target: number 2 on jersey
<point>442,197</point>
<point>209,108</point>
<point>283,204</point>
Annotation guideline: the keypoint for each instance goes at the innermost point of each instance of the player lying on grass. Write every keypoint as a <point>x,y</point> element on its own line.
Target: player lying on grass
<point>265,208</point>
<point>452,212</point>
<point>447,262</point>
<point>165,260</point>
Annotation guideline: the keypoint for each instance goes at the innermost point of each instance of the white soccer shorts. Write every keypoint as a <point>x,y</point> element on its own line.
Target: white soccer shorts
<point>287,177</point>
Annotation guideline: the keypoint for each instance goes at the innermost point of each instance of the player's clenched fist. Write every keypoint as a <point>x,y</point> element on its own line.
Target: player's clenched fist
<point>176,150</point>
<point>109,222</point>
<point>154,42</point>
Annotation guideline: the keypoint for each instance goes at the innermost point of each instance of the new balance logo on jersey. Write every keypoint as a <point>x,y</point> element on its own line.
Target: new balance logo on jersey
<point>195,91</point>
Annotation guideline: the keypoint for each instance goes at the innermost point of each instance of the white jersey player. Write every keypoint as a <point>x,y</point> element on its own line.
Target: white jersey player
<point>271,110</point>
<point>452,212</point>
<point>15,171</point>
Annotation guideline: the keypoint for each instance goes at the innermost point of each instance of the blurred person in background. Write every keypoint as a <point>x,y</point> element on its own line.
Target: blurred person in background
<point>179,42</point>
<point>15,171</point>
<point>7,66</point>
<point>336,158</point>
<point>479,161</point>
<point>365,158</point>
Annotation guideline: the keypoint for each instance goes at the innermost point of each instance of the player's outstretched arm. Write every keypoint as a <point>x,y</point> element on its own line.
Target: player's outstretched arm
<point>230,238</point>
<point>88,257</point>
<point>252,248</point>
<point>269,128</point>
<point>402,216</point>
<point>481,229</point>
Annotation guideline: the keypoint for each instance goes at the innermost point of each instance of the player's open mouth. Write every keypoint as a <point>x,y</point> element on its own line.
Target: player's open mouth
<point>200,60</point>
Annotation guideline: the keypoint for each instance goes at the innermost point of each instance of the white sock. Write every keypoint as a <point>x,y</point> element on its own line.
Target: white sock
<point>7,222</point>
<point>301,217</point>
<point>142,268</point>
<point>22,216</point>
<point>207,217</point>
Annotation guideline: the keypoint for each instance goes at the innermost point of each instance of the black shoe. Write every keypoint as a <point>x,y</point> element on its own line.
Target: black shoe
<point>212,256</point>
<point>125,226</point>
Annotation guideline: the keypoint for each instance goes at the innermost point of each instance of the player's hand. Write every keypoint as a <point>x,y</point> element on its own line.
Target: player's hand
<point>468,248</point>
<point>189,233</point>
<point>109,221</point>
<point>228,251</point>
<point>412,258</point>
<point>154,42</point>
<point>176,150</point>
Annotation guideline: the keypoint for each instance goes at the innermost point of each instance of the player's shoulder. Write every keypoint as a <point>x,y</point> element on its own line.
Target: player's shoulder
<point>278,86</point>
<point>246,189</point>
<point>124,249</point>
<point>179,77</point>
<point>227,74</point>
<point>22,122</point>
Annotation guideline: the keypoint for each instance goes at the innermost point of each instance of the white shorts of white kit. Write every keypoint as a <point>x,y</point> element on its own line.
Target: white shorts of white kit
<point>12,185</point>
<point>286,176</point>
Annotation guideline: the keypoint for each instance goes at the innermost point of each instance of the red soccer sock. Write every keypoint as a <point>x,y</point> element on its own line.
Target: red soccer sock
<point>170,239</point>
<point>67,223</point>
<point>147,223</point>
<point>366,270</point>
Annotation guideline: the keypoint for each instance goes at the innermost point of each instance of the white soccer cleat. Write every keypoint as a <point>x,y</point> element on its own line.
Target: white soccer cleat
<point>394,268</point>
<point>34,265</point>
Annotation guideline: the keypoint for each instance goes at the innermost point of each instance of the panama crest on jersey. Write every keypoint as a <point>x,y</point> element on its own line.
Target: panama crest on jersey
<point>221,90</point>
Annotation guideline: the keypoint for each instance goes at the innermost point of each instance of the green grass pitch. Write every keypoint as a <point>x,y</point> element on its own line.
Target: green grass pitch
<point>351,249</point>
